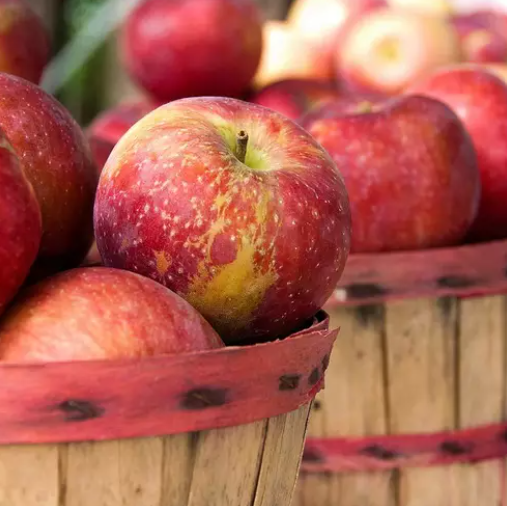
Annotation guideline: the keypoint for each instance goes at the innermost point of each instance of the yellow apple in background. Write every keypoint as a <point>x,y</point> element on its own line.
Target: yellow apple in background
<point>286,55</point>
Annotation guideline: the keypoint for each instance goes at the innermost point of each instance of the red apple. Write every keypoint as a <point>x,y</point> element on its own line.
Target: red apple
<point>24,42</point>
<point>321,24</point>
<point>109,126</point>
<point>388,49</point>
<point>99,313</point>
<point>182,48</point>
<point>231,205</point>
<point>480,100</point>
<point>410,171</point>
<point>287,55</point>
<point>483,36</point>
<point>56,159</point>
<point>20,224</point>
<point>294,97</point>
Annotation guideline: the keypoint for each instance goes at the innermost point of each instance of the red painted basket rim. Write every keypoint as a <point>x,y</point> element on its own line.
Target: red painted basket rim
<point>97,400</point>
<point>463,271</point>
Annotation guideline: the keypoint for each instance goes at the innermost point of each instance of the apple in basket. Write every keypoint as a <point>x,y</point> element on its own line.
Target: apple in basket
<point>230,205</point>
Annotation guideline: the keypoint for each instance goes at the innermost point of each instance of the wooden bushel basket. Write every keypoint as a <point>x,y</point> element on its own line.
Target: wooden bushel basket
<point>217,428</point>
<point>414,411</point>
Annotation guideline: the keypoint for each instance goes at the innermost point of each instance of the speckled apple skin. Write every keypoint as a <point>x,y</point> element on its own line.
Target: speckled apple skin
<point>256,250</point>
<point>183,48</point>
<point>24,41</point>
<point>56,159</point>
<point>410,170</point>
<point>20,224</point>
<point>100,313</point>
<point>480,100</point>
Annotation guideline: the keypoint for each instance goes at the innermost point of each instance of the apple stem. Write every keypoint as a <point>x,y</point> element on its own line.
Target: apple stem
<point>241,145</point>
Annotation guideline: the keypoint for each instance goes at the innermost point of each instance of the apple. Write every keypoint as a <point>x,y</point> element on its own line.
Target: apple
<point>20,224</point>
<point>321,24</point>
<point>287,55</point>
<point>479,98</point>
<point>388,49</point>
<point>96,313</point>
<point>56,160</point>
<point>230,205</point>
<point>182,48</point>
<point>24,41</point>
<point>443,8</point>
<point>294,97</point>
<point>109,126</point>
<point>482,35</point>
<point>409,168</point>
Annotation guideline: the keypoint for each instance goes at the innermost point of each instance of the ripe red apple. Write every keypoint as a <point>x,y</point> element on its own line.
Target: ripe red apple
<point>183,48</point>
<point>56,159</point>
<point>287,55</point>
<point>231,205</point>
<point>483,36</point>
<point>294,97</point>
<point>480,100</point>
<point>410,171</point>
<point>321,24</point>
<point>99,313</point>
<point>20,224</point>
<point>24,42</point>
<point>109,126</point>
<point>388,49</point>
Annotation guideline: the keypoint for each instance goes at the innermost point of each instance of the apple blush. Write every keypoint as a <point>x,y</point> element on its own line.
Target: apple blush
<point>98,313</point>
<point>409,167</point>
<point>230,205</point>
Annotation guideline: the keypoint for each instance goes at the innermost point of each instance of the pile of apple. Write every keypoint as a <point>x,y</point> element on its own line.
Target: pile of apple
<point>218,221</point>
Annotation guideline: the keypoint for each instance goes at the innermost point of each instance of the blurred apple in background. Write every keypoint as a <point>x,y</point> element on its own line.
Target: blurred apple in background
<point>441,8</point>
<point>295,97</point>
<point>180,48</point>
<point>480,100</point>
<point>99,313</point>
<point>24,42</point>
<point>56,159</point>
<point>20,224</point>
<point>388,49</point>
<point>410,171</point>
<point>109,126</point>
<point>483,36</point>
<point>231,205</point>
<point>286,55</point>
<point>321,23</point>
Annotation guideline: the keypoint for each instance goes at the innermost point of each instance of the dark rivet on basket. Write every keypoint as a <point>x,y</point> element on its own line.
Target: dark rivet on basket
<point>379,452</point>
<point>314,377</point>
<point>201,398</point>
<point>310,455</point>
<point>325,362</point>
<point>76,410</point>
<point>365,290</point>
<point>289,381</point>
<point>369,315</point>
<point>317,405</point>
<point>453,448</point>
<point>455,282</point>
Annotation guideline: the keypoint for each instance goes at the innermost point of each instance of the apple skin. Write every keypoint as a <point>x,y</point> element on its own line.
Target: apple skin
<point>387,49</point>
<point>479,98</point>
<point>322,24</point>
<point>410,171</point>
<point>183,48</point>
<point>256,247</point>
<point>24,41</point>
<point>56,159</point>
<point>96,313</point>
<point>20,224</point>
<point>295,97</point>
<point>109,126</point>
<point>482,36</point>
